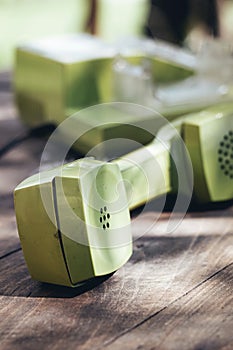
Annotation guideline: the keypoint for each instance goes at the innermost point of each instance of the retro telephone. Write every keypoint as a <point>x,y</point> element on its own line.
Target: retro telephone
<point>57,77</point>
<point>54,77</point>
<point>74,221</point>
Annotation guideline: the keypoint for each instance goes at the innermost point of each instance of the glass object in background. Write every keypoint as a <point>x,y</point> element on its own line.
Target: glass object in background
<point>212,82</point>
<point>132,83</point>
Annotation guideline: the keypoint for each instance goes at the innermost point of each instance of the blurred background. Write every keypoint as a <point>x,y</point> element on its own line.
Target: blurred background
<point>184,22</point>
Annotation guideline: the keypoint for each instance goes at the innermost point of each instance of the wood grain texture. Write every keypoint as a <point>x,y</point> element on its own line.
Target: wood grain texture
<point>163,270</point>
<point>174,293</point>
<point>201,319</point>
<point>9,241</point>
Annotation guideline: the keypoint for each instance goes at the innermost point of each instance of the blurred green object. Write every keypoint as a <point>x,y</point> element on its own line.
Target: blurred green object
<point>109,130</point>
<point>25,20</point>
<point>121,18</point>
<point>210,84</point>
<point>57,76</point>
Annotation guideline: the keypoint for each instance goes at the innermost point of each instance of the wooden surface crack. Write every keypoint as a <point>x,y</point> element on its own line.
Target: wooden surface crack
<point>10,253</point>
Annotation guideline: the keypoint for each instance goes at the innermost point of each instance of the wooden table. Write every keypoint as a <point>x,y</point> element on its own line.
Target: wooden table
<point>174,293</point>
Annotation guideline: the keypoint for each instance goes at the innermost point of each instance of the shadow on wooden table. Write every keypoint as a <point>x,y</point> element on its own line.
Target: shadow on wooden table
<point>167,204</point>
<point>52,291</point>
<point>153,249</point>
<point>16,281</point>
<point>24,286</point>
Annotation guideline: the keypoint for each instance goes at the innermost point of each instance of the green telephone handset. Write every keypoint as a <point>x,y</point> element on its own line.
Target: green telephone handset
<point>208,138</point>
<point>74,221</point>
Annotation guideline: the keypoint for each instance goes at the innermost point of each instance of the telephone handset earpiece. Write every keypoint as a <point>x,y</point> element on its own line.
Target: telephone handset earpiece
<point>203,146</point>
<point>74,222</point>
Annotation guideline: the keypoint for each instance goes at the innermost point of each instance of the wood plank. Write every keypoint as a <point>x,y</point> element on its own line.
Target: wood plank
<point>18,164</point>
<point>201,319</point>
<point>163,268</point>
<point>15,166</point>
<point>10,127</point>
<point>9,241</point>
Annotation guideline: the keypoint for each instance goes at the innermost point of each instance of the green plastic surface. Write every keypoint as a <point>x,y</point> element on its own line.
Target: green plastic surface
<point>74,222</point>
<point>51,83</point>
<point>209,138</point>
<point>109,131</point>
<point>207,143</point>
<point>146,173</point>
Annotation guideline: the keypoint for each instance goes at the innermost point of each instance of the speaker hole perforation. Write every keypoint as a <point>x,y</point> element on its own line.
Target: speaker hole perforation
<point>225,154</point>
<point>104,218</point>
